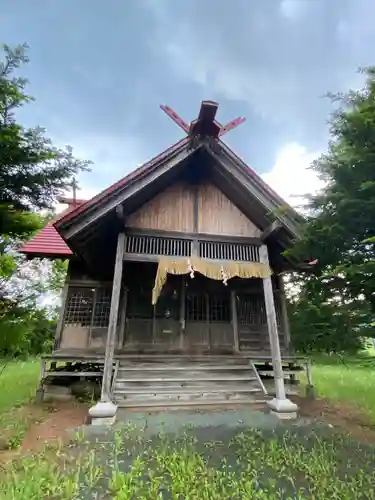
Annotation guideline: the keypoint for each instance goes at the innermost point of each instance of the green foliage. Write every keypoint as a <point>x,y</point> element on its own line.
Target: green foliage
<point>340,229</point>
<point>33,172</point>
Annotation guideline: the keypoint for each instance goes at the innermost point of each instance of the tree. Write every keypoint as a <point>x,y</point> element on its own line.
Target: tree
<point>33,173</point>
<point>341,218</point>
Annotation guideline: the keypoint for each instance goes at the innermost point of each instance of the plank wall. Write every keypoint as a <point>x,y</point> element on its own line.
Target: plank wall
<point>174,210</point>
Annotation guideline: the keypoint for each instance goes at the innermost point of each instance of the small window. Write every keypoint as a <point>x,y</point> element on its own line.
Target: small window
<point>219,308</point>
<point>196,307</point>
<point>102,307</point>
<point>139,304</point>
<point>78,310</point>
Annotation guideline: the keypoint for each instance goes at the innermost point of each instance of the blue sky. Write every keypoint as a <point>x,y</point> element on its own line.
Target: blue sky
<point>99,71</point>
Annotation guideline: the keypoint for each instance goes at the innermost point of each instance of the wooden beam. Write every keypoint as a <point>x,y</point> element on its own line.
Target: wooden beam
<point>132,189</point>
<point>141,257</point>
<point>272,329</point>
<point>223,238</point>
<point>284,311</point>
<point>234,320</point>
<point>120,214</point>
<point>252,184</point>
<point>271,230</point>
<point>122,323</point>
<point>195,208</point>
<point>113,316</point>
<point>60,321</point>
<point>182,312</point>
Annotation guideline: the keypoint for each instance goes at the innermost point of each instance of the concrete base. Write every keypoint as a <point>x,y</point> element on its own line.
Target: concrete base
<point>310,392</point>
<point>39,396</point>
<point>284,409</point>
<point>103,421</point>
<point>57,393</point>
<point>103,413</point>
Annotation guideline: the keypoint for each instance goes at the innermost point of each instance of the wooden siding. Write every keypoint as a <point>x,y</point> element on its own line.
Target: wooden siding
<point>218,215</point>
<point>171,210</point>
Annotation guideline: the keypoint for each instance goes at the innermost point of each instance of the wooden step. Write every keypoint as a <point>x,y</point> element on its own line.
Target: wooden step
<point>185,390</point>
<point>191,405</point>
<point>190,378</point>
<point>148,367</point>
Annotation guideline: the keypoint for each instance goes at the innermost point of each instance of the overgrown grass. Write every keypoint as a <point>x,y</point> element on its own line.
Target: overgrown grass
<point>349,378</point>
<point>249,464</point>
<point>18,382</point>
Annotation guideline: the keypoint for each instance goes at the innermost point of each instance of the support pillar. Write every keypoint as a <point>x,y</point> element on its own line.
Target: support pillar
<point>60,321</point>
<point>280,405</point>
<point>236,341</point>
<point>284,312</point>
<point>104,412</point>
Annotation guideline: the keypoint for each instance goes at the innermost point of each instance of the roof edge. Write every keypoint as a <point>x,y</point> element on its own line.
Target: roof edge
<point>133,175</point>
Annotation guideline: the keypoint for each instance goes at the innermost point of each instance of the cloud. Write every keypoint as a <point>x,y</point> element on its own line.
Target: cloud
<point>291,177</point>
<point>277,57</point>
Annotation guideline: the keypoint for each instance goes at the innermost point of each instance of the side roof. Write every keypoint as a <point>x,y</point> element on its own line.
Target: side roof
<point>47,242</point>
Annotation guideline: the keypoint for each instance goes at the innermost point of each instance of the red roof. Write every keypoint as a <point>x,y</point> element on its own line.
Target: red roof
<point>47,242</point>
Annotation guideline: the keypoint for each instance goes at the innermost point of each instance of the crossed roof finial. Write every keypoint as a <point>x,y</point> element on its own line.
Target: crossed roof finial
<point>205,124</point>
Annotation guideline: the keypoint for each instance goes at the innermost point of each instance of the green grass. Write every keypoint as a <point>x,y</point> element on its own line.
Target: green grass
<point>18,383</point>
<point>250,464</point>
<point>349,379</point>
<point>253,464</point>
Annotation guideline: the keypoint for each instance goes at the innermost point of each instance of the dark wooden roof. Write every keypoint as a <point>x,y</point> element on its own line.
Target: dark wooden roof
<point>229,167</point>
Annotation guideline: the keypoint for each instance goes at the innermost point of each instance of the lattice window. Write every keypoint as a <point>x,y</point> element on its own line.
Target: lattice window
<point>196,307</point>
<point>78,310</point>
<point>139,304</point>
<point>219,308</point>
<point>168,305</point>
<point>228,251</point>
<point>102,308</point>
<point>251,310</point>
<point>158,246</point>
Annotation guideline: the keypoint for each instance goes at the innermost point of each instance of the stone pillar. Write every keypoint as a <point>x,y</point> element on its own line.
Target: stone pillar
<point>104,412</point>
<point>281,406</point>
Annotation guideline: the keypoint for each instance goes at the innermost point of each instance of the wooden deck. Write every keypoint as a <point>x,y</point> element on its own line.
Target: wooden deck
<point>72,355</point>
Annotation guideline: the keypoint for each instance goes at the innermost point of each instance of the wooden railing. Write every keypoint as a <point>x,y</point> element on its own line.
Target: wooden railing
<point>149,247</point>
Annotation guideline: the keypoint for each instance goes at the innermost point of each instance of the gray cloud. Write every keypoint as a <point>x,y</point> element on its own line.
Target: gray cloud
<point>100,72</point>
<point>279,57</point>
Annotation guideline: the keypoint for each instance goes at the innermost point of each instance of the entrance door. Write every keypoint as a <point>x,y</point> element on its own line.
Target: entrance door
<point>167,325</point>
<point>208,317</point>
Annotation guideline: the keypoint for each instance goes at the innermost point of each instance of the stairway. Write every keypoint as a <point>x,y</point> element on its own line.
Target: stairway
<point>181,381</point>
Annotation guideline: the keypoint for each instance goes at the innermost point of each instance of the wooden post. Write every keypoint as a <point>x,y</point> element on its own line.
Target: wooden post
<point>122,324</point>
<point>280,405</point>
<point>236,341</point>
<point>182,312</point>
<point>113,316</point>
<point>284,312</point>
<point>60,321</point>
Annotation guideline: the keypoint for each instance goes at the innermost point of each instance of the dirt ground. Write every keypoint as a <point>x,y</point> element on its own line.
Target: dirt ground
<point>49,423</point>
<point>341,415</point>
<point>52,423</point>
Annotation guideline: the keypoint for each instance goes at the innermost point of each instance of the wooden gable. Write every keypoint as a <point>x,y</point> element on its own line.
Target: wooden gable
<point>188,208</point>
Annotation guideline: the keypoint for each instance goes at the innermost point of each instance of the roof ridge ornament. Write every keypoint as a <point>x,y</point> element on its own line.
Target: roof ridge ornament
<point>205,126</point>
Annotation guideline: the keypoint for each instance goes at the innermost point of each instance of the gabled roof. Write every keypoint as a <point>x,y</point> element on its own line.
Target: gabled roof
<point>122,183</point>
<point>267,198</point>
<point>47,242</point>
<point>80,222</point>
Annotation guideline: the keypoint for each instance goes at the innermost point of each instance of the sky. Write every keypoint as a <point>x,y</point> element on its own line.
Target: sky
<point>99,71</point>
